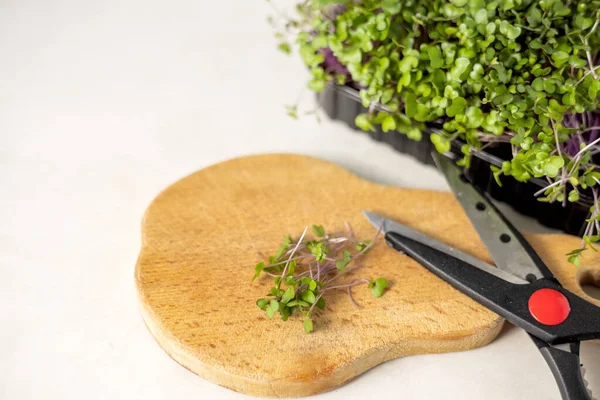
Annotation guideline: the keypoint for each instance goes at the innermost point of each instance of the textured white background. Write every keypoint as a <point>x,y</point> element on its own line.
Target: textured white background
<point>102,105</point>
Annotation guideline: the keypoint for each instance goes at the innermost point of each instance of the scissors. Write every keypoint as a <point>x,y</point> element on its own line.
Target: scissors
<point>521,288</point>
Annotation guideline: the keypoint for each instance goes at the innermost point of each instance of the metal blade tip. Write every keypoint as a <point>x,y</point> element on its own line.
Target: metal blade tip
<point>375,219</point>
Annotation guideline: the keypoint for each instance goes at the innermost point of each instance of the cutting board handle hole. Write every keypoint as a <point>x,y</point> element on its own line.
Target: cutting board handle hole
<point>589,280</point>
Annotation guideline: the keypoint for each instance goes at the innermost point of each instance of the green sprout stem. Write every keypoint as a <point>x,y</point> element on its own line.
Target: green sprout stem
<point>308,269</point>
<point>292,253</point>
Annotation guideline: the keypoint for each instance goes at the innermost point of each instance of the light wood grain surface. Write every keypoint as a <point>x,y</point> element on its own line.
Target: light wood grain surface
<point>203,235</point>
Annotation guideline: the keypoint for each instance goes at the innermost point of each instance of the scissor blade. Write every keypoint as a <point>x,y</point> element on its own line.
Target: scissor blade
<point>387,225</point>
<point>508,248</point>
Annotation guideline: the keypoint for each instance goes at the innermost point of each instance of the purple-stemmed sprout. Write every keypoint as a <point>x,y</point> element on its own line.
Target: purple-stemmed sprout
<point>332,65</point>
<point>588,130</point>
<point>304,271</point>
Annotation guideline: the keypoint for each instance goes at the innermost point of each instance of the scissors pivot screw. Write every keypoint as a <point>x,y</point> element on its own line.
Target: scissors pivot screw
<point>549,306</point>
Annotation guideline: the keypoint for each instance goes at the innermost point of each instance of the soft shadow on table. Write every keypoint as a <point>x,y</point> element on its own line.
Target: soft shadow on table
<point>510,339</point>
<point>399,175</point>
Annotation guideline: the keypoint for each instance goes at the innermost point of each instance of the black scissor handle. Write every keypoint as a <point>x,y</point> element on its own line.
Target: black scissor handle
<point>566,368</point>
<point>509,300</point>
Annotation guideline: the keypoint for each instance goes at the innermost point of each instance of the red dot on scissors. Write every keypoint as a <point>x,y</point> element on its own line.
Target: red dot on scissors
<point>549,306</point>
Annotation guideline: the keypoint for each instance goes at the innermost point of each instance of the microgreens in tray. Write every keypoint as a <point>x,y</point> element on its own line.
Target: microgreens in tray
<point>304,271</point>
<point>520,78</point>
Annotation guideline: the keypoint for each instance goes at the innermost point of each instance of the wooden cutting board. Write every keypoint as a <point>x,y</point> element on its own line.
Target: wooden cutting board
<point>203,235</point>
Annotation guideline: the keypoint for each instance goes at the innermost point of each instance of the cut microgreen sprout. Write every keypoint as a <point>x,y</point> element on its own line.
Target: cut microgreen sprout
<point>303,272</point>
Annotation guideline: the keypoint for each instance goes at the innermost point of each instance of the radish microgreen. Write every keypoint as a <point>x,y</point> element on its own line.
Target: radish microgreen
<point>303,272</point>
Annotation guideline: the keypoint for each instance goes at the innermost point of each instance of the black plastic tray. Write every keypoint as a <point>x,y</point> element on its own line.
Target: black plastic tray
<point>343,103</point>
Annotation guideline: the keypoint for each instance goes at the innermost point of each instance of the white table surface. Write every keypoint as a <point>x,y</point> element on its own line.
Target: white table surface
<point>102,105</point>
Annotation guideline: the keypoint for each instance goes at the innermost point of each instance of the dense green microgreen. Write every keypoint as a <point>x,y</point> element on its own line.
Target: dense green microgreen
<point>305,271</point>
<point>517,73</point>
